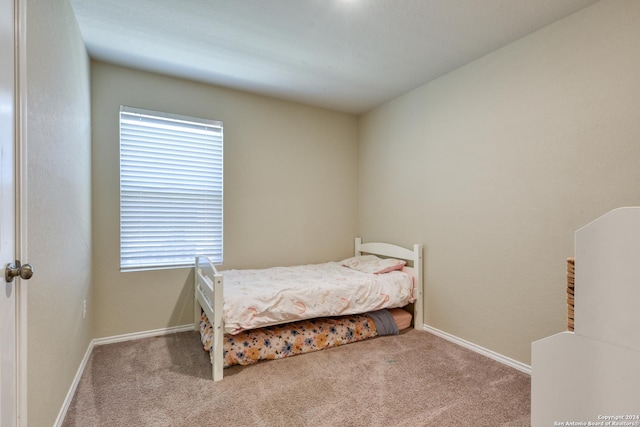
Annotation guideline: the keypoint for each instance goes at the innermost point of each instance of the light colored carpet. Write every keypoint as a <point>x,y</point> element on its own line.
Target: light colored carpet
<point>411,379</point>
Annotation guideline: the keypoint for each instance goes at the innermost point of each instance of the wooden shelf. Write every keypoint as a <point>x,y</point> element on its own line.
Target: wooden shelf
<point>571,272</point>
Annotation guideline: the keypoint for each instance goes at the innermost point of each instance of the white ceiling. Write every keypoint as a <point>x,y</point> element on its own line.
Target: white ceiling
<point>346,55</point>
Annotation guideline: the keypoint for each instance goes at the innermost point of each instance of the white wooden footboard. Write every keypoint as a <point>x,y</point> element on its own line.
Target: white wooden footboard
<point>209,298</point>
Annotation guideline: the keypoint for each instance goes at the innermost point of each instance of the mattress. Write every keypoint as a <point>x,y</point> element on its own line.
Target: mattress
<point>305,336</point>
<point>258,298</point>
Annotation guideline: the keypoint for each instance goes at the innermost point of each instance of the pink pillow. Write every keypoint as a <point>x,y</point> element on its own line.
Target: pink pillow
<point>373,264</point>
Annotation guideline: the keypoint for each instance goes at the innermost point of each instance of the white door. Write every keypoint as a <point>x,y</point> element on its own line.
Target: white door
<point>8,369</point>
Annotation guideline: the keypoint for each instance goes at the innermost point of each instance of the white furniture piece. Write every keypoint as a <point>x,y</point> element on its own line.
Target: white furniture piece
<point>209,292</point>
<point>592,375</point>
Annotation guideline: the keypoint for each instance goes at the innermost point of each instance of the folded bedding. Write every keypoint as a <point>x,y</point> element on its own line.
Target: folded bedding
<point>280,341</point>
<point>258,298</point>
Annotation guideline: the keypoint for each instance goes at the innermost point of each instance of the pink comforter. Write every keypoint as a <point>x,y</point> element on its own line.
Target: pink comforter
<point>257,298</point>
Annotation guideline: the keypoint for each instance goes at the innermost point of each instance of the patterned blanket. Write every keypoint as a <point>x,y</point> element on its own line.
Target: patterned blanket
<point>277,342</point>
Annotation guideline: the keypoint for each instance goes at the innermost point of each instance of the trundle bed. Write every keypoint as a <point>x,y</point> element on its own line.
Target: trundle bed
<point>282,311</point>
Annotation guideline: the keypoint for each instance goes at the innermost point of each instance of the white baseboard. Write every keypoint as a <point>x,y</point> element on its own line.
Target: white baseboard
<point>111,340</point>
<point>478,349</point>
<point>144,334</point>
<point>74,385</point>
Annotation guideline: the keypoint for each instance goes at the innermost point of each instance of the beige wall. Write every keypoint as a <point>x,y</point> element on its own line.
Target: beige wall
<point>58,223</point>
<point>495,165</point>
<point>290,181</point>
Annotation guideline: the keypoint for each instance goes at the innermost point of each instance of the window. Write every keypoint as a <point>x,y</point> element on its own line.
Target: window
<point>170,189</point>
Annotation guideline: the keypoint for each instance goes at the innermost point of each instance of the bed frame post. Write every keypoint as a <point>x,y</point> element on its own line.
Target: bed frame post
<point>418,309</point>
<point>197,310</point>
<point>217,353</point>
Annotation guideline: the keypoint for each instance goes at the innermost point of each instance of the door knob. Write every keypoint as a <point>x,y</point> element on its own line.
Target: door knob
<point>12,270</point>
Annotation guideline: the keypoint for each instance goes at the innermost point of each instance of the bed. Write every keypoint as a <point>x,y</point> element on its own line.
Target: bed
<point>380,276</point>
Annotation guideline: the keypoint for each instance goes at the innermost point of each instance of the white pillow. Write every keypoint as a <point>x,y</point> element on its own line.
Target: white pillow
<point>373,264</point>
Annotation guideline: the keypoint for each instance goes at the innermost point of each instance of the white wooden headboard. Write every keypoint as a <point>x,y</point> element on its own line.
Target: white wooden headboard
<point>414,256</point>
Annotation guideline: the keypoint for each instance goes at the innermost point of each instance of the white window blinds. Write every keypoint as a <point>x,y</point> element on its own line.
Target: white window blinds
<point>170,189</point>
